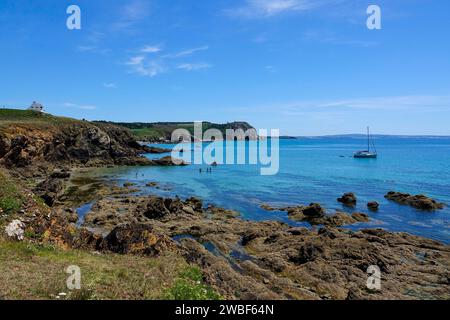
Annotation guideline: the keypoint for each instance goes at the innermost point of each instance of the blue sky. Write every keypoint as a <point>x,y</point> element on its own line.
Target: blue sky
<point>305,67</point>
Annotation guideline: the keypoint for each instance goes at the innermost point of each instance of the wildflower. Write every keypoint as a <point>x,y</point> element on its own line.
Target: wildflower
<point>15,229</point>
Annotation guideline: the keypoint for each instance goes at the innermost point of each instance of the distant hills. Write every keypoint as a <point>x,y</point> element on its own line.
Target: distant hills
<point>162,131</point>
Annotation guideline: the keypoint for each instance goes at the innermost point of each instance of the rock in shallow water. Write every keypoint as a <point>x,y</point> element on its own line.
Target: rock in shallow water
<point>417,201</point>
<point>315,214</point>
<point>360,217</point>
<point>169,161</point>
<point>348,199</point>
<point>373,205</point>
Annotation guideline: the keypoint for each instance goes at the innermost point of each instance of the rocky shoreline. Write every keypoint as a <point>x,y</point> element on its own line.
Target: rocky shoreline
<point>240,259</point>
<point>38,150</point>
<point>244,259</point>
<point>257,260</point>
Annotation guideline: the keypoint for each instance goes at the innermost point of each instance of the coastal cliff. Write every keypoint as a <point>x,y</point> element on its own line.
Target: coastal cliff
<point>33,139</point>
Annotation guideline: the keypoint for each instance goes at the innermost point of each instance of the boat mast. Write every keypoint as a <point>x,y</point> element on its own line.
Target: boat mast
<point>368,140</point>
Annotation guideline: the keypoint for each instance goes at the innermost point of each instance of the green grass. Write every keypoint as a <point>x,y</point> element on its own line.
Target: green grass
<point>32,271</point>
<point>20,116</point>
<point>16,114</point>
<point>190,286</point>
<point>148,133</point>
<point>10,198</point>
<point>156,131</point>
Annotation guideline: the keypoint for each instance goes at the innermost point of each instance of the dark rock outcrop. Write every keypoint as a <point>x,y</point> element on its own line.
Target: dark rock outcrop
<point>60,174</point>
<point>417,201</point>
<point>136,239</point>
<point>169,161</point>
<point>156,208</point>
<point>315,214</point>
<point>156,150</point>
<point>373,205</point>
<point>50,190</point>
<point>314,210</point>
<point>360,217</point>
<point>129,184</point>
<point>196,203</point>
<point>307,252</point>
<point>159,208</point>
<point>348,199</point>
<point>70,142</point>
<point>340,219</point>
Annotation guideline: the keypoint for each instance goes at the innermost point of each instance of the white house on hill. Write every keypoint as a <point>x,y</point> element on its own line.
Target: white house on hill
<point>36,107</point>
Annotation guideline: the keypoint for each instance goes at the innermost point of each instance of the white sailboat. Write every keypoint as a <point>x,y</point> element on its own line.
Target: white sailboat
<point>367,154</point>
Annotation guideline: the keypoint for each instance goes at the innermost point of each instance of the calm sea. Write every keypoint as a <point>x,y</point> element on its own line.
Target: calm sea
<point>320,170</point>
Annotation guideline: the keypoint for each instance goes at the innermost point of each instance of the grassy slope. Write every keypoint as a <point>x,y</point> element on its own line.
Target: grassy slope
<point>165,130</point>
<point>10,197</point>
<point>27,119</point>
<point>148,133</point>
<point>16,115</point>
<point>30,270</point>
<point>36,271</point>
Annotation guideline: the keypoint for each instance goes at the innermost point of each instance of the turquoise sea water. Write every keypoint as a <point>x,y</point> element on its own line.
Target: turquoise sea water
<point>320,170</point>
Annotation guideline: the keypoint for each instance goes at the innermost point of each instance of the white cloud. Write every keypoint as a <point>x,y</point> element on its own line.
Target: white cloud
<point>193,66</point>
<point>134,61</point>
<point>151,69</point>
<point>144,67</point>
<point>187,52</point>
<point>130,14</point>
<point>141,64</point>
<point>151,49</point>
<point>78,106</point>
<point>109,85</point>
<point>268,8</point>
